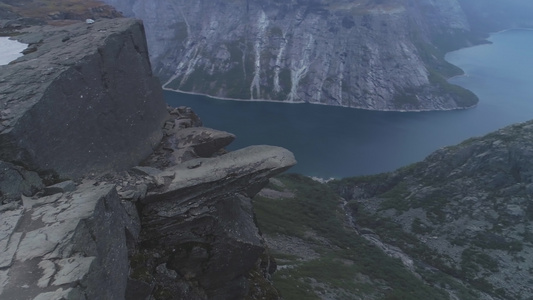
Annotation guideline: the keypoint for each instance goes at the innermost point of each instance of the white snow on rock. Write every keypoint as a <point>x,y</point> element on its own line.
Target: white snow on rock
<point>10,50</point>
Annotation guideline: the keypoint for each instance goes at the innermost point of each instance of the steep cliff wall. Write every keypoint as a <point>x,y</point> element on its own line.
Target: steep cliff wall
<point>349,53</point>
<point>83,99</point>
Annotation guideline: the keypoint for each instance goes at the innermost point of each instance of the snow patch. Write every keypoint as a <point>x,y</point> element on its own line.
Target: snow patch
<point>10,50</point>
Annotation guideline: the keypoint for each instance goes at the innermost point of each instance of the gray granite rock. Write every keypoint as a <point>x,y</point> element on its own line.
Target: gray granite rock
<point>148,171</point>
<point>70,245</point>
<point>96,118</point>
<point>16,181</point>
<point>91,87</point>
<point>181,144</point>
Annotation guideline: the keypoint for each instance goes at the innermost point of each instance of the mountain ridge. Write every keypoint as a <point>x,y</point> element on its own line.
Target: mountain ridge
<point>457,225</point>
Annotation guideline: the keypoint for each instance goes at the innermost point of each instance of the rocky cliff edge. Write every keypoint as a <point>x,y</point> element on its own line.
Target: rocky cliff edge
<point>108,194</point>
<point>82,99</point>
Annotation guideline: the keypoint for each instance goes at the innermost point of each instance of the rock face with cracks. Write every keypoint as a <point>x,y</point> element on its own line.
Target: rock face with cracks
<point>378,55</point>
<point>84,96</point>
<point>83,104</point>
<point>70,245</point>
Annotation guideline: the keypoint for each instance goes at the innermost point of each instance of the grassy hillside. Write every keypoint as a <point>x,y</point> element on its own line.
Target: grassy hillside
<point>320,255</point>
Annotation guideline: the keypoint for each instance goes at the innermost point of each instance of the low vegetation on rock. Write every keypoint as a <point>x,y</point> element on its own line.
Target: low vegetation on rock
<point>457,225</point>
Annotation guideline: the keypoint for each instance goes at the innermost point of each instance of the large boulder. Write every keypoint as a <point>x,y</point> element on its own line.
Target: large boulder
<point>85,100</point>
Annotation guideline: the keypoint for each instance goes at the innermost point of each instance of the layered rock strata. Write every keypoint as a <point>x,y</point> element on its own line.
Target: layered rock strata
<point>82,103</point>
<point>195,236</point>
<point>199,224</point>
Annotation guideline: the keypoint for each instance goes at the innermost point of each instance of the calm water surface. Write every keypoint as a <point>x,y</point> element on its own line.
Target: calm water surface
<point>341,142</point>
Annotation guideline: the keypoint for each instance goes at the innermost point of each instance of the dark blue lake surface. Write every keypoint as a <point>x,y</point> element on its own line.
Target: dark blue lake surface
<point>340,142</point>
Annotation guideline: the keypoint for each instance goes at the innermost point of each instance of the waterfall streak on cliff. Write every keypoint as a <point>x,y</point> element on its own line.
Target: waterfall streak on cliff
<point>186,66</point>
<point>262,24</point>
<point>339,82</point>
<point>277,67</point>
<point>299,69</point>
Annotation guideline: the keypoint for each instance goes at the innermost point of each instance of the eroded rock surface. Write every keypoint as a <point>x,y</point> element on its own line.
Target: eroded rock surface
<point>16,181</point>
<point>70,245</point>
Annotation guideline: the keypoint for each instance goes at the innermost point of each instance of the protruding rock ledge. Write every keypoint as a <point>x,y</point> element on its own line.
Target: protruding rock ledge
<point>198,184</point>
<point>83,104</point>
<point>254,163</point>
<point>200,224</point>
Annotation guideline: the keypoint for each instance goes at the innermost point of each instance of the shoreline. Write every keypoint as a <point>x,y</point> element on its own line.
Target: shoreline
<point>315,103</point>
<point>509,29</point>
<point>488,42</point>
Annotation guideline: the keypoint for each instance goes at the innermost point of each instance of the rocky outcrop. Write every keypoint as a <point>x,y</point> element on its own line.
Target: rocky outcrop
<point>199,239</point>
<point>82,103</point>
<point>16,181</point>
<point>84,100</point>
<point>366,54</point>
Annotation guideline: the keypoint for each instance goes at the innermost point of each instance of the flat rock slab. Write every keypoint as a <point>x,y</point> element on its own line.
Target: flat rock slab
<point>66,245</point>
<point>200,183</point>
<point>254,164</point>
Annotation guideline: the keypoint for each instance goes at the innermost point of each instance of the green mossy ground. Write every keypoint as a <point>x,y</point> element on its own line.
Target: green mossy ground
<point>348,266</point>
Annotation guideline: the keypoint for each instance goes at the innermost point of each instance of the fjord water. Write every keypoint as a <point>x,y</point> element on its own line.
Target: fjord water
<point>340,142</point>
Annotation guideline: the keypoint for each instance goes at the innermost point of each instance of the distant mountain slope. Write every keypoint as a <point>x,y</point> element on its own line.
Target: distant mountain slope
<point>15,13</point>
<point>381,55</point>
<point>466,211</point>
<point>458,225</point>
<point>494,15</point>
